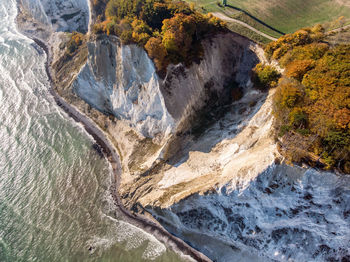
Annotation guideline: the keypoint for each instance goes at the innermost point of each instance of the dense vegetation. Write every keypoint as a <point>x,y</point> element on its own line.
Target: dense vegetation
<point>265,76</point>
<point>170,31</point>
<point>312,100</point>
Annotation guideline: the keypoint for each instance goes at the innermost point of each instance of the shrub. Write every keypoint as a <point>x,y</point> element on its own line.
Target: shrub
<point>178,25</point>
<point>297,118</point>
<point>76,39</point>
<point>157,52</point>
<point>265,76</point>
<point>288,93</point>
<point>126,37</point>
<point>298,68</point>
<point>313,99</point>
<point>287,42</point>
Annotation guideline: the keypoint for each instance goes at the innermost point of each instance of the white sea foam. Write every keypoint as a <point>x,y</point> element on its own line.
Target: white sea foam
<point>52,184</point>
<point>133,237</point>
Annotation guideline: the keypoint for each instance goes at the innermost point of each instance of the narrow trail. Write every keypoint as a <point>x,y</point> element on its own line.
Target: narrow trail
<point>111,154</point>
<point>338,29</point>
<point>232,20</point>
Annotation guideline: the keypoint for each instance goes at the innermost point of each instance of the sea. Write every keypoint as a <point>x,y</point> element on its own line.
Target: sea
<point>55,201</point>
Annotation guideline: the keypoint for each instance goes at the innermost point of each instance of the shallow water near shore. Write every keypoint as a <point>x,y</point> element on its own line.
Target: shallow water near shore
<point>55,202</point>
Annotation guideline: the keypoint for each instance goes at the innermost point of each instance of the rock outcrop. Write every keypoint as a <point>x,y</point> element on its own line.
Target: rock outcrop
<point>156,116</point>
<point>59,16</point>
<point>285,214</point>
<point>121,80</point>
<point>205,166</point>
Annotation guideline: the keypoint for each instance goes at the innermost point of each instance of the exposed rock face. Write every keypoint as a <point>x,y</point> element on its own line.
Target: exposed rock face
<point>121,80</point>
<point>231,152</point>
<point>68,15</point>
<point>152,112</point>
<point>227,57</point>
<point>50,21</point>
<point>221,190</point>
<point>285,214</point>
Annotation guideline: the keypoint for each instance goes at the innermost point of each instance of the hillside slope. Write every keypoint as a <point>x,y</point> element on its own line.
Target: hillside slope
<point>275,17</point>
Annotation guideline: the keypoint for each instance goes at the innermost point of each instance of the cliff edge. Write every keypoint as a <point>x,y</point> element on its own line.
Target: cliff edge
<point>197,145</point>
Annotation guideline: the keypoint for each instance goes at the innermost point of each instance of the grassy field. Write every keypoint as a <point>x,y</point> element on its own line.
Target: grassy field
<point>284,16</point>
<point>234,27</point>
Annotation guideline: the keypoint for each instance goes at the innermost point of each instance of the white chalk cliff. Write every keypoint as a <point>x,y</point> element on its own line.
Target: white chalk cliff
<point>121,80</point>
<point>68,15</point>
<point>225,190</point>
<point>222,189</point>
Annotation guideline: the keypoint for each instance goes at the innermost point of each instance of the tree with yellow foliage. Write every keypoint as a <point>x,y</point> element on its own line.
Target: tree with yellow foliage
<point>313,98</point>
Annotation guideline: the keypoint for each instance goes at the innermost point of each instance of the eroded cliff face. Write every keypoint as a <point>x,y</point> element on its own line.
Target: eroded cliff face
<point>227,58</point>
<point>285,214</point>
<point>51,22</point>
<point>221,188</point>
<point>224,190</point>
<point>155,116</point>
<point>59,16</point>
<point>231,152</point>
<point>121,80</point>
<point>151,120</point>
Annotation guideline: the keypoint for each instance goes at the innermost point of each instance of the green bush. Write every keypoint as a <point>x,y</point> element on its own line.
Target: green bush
<point>76,40</point>
<point>265,76</point>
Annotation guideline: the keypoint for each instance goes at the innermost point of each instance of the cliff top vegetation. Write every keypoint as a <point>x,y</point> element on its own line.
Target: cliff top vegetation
<point>170,31</point>
<point>312,100</point>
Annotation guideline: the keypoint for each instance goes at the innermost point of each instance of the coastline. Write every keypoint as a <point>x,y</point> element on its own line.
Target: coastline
<point>110,152</point>
<point>241,209</point>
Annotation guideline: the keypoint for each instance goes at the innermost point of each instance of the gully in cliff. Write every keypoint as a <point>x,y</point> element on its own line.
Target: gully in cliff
<point>184,111</point>
<point>112,156</point>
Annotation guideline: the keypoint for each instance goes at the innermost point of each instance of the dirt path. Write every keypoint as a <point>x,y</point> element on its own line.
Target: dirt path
<point>232,20</point>
<point>338,29</point>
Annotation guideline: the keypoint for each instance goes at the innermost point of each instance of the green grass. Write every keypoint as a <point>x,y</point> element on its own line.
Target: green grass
<point>286,16</point>
<point>212,6</point>
<point>248,33</point>
<point>250,21</point>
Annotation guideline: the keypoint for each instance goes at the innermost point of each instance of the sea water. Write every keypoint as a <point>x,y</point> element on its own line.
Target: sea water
<point>55,202</point>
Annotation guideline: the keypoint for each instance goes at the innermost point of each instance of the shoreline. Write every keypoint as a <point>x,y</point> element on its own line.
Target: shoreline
<point>111,155</point>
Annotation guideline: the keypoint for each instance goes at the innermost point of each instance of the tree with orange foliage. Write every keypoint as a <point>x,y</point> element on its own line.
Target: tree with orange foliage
<point>157,52</point>
<point>298,68</point>
<point>178,34</point>
<point>179,27</point>
<point>317,102</point>
<point>76,39</point>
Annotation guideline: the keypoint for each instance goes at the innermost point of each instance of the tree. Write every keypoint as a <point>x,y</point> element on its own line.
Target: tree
<point>265,76</point>
<point>179,27</point>
<point>178,35</point>
<point>298,68</point>
<point>313,98</point>
<point>157,51</point>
